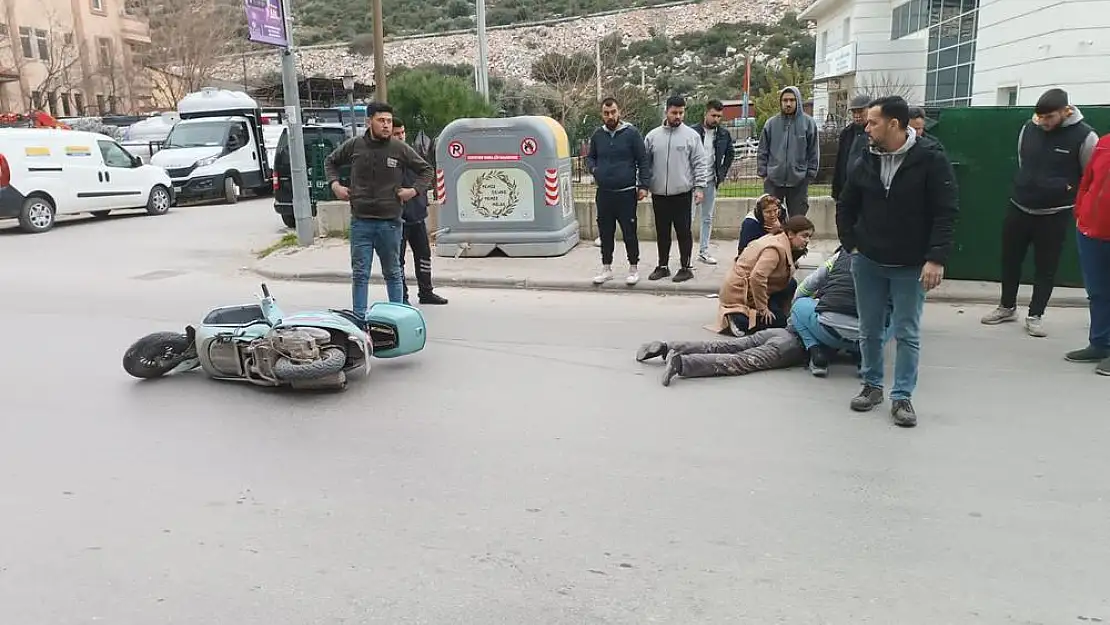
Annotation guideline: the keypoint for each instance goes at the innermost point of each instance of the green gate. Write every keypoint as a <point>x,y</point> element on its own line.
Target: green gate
<point>982,143</point>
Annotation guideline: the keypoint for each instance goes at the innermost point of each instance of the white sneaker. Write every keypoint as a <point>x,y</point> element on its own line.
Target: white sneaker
<point>707,259</point>
<point>633,277</point>
<point>597,241</point>
<point>1034,326</point>
<point>603,277</point>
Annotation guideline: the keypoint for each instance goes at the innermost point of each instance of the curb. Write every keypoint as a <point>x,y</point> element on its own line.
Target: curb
<point>952,295</point>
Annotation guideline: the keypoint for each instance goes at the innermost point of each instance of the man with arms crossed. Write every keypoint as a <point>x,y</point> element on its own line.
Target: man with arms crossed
<point>719,154</point>
<point>679,173</point>
<point>617,159</point>
<point>896,214</point>
<point>377,197</point>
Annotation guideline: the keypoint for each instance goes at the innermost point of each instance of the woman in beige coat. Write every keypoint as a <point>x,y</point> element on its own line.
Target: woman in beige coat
<point>755,293</point>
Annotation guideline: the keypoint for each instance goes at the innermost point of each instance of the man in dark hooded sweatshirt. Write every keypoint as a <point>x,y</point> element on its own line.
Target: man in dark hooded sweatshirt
<point>851,143</point>
<point>789,153</point>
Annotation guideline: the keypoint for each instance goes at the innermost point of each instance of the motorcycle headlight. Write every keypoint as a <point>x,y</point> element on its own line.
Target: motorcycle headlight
<point>204,162</point>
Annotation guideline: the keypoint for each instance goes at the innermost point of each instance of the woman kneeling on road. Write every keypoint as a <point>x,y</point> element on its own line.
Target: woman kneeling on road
<point>757,292</point>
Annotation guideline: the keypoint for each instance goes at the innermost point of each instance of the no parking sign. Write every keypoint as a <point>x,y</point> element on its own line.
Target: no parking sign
<point>455,149</point>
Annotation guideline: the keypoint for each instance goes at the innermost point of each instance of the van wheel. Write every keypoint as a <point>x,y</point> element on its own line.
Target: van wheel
<point>290,221</point>
<point>159,201</point>
<point>231,190</point>
<point>37,214</point>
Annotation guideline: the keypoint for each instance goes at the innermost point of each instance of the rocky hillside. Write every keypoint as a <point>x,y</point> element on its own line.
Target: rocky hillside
<point>513,50</point>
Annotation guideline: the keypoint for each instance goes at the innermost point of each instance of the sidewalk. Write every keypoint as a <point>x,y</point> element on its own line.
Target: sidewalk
<point>329,261</point>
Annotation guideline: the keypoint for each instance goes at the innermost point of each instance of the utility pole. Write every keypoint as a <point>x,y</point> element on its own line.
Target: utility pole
<point>483,49</point>
<point>380,88</point>
<point>302,203</point>
<point>597,63</point>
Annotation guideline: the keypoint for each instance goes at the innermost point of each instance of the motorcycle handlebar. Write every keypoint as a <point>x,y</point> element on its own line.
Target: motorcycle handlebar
<point>265,290</point>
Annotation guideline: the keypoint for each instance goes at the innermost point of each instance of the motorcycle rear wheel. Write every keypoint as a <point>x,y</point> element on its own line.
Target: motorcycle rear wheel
<point>331,362</point>
<point>155,355</point>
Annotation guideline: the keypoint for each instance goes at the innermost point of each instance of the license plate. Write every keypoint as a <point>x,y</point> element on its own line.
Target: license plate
<point>177,189</point>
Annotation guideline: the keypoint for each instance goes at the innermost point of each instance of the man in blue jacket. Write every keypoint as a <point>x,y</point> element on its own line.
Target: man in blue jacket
<point>617,159</point>
<point>788,155</point>
<point>415,235</point>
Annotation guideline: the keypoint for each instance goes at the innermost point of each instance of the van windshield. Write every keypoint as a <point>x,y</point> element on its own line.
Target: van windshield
<point>197,135</point>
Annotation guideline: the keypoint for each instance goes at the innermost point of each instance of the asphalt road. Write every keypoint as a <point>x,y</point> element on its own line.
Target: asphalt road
<point>523,469</point>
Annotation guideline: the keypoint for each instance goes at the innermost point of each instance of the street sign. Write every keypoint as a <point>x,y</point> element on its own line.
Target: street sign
<point>455,149</point>
<point>529,146</point>
<point>266,22</point>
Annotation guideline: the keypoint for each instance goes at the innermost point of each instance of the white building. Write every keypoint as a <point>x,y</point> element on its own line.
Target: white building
<point>959,52</point>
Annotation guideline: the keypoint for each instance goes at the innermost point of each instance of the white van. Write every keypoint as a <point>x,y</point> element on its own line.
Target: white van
<point>64,172</point>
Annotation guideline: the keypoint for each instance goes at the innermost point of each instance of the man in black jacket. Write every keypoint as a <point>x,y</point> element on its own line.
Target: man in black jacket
<point>1053,150</point>
<point>617,159</point>
<point>415,235</point>
<point>851,142</point>
<point>897,213</point>
<point>720,154</point>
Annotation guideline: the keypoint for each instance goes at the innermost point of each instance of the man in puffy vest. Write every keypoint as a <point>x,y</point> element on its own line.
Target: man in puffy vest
<point>1092,213</point>
<point>1053,149</point>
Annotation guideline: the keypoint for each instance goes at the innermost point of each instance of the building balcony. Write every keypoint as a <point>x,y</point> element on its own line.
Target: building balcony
<point>134,29</point>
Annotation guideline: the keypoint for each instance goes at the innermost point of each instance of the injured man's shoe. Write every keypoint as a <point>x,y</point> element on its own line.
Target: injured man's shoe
<point>674,368</point>
<point>654,349</point>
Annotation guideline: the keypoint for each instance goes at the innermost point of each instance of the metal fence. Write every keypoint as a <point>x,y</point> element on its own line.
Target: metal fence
<point>742,180</point>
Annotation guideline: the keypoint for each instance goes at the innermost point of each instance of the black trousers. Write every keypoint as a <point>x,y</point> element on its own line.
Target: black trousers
<point>673,211</point>
<point>617,207</point>
<point>1045,233</point>
<point>796,198</point>
<point>415,236</point>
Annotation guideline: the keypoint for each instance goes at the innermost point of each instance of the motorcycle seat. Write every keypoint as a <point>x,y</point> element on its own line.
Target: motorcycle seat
<point>235,315</point>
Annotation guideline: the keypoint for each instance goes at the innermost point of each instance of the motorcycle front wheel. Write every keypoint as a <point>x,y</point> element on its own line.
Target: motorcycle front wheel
<point>155,355</point>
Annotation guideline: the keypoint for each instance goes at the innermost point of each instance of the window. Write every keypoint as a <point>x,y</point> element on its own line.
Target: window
<point>97,6</point>
<point>950,64</point>
<point>68,39</point>
<point>67,108</point>
<point>822,44</point>
<point>1007,96</point>
<point>104,51</point>
<point>43,44</point>
<point>847,31</point>
<point>78,103</point>
<point>114,155</point>
<point>101,104</point>
<point>36,100</point>
<point>25,42</point>
<point>909,17</point>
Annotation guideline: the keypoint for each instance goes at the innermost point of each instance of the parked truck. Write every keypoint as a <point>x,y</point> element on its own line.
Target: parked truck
<point>217,150</point>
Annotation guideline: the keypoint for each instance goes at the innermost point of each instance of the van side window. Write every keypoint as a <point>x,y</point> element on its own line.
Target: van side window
<point>114,155</point>
<point>238,136</point>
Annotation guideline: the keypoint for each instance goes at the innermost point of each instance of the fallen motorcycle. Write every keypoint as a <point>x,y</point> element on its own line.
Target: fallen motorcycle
<point>257,343</point>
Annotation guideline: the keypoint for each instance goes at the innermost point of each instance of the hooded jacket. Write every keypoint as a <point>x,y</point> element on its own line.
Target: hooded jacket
<point>677,160</point>
<point>900,208</point>
<point>1051,164</point>
<point>789,152</point>
<point>617,159</point>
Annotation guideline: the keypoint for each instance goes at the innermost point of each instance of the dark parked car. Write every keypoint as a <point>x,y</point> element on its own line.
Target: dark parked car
<point>319,141</point>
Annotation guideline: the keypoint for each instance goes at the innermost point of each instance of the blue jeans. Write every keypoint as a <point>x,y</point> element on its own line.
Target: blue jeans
<point>707,206</point>
<point>1094,260</point>
<point>806,324</point>
<point>877,288</point>
<point>384,237</point>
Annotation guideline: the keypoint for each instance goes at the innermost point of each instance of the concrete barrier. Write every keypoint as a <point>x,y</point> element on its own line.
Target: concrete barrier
<point>333,218</point>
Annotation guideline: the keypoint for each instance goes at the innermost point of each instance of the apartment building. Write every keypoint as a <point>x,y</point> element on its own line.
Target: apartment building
<point>960,52</point>
<point>73,57</point>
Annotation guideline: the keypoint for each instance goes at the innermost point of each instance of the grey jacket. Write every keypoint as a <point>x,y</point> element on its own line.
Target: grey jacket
<point>789,153</point>
<point>677,160</point>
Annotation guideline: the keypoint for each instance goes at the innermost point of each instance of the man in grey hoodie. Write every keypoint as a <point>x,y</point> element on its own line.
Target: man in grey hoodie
<point>788,155</point>
<point>679,173</point>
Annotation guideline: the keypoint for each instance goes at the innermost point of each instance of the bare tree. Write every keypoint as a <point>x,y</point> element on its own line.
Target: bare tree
<point>60,57</point>
<point>567,82</point>
<point>885,84</point>
<point>187,40</point>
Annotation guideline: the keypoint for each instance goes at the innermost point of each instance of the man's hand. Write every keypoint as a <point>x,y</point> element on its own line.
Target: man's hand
<point>931,275</point>
<point>341,192</point>
<point>766,316</point>
<point>641,194</point>
<point>406,194</point>
<point>699,197</point>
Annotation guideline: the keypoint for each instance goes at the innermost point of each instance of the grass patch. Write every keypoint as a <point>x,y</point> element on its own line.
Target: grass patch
<point>288,240</point>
